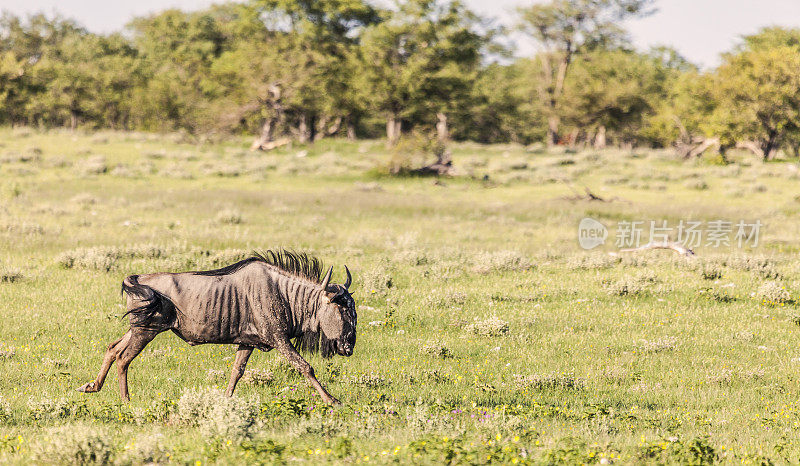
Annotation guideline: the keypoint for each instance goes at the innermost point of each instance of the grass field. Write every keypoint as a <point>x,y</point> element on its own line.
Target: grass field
<point>486,334</point>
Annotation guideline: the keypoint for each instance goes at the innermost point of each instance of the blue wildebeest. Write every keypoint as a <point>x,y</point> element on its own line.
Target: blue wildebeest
<point>263,302</point>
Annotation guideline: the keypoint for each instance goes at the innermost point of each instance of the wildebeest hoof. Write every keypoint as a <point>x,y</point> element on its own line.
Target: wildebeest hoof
<point>88,388</point>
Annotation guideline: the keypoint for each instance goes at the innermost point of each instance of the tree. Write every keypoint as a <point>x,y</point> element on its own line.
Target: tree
<point>564,29</point>
<point>613,95</point>
<point>178,49</point>
<point>420,63</point>
<point>757,90</point>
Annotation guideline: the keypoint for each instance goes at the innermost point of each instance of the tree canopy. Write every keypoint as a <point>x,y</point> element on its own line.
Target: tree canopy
<point>302,69</point>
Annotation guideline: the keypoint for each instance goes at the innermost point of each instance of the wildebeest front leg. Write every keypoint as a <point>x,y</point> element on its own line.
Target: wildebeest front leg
<point>242,355</point>
<point>111,354</point>
<point>139,339</point>
<point>288,351</point>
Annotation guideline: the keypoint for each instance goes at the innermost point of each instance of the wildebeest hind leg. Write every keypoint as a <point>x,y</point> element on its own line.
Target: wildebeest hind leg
<point>140,337</point>
<point>111,354</point>
<point>242,355</point>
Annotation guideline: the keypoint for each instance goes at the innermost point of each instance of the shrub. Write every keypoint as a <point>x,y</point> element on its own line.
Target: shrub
<point>229,217</point>
<point>492,326</point>
<point>214,413</point>
<point>5,411</point>
<point>630,285</point>
<point>7,352</point>
<point>145,449</point>
<point>500,261</point>
<point>94,165</point>
<point>556,380</point>
<point>412,152</point>
<point>436,348</point>
<point>377,280</point>
<point>659,345</point>
<point>710,271</point>
<point>257,377</point>
<point>761,266</point>
<point>592,262</point>
<point>699,185</point>
<point>47,408</point>
<point>10,274</point>
<point>74,444</point>
<point>773,293</point>
<point>370,379</point>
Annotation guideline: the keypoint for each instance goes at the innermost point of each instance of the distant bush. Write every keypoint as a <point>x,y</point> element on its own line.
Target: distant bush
<point>370,379</point>
<point>630,285</point>
<point>558,381</point>
<point>229,217</point>
<point>492,326</point>
<point>773,293</point>
<point>74,444</point>
<point>412,152</point>
<point>592,261</point>
<point>699,185</point>
<point>377,280</point>
<point>436,348</point>
<point>710,271</point>
<point>9,274</point>
<point>761,266</point>
<point>658,346</point>
<point>94,165</point>
<point>500,261</point>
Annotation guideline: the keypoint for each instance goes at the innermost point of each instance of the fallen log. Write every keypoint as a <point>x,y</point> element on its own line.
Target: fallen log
<point>677,247</point>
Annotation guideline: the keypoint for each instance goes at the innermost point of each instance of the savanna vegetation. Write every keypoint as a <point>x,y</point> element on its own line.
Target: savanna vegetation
<point>486,334</point>
<point>282,70</point>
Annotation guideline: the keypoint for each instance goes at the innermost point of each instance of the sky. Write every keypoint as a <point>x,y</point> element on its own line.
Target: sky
<point>699,29</point>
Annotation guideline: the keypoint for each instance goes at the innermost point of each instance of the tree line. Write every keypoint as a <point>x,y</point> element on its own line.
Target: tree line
<point>308,69</point>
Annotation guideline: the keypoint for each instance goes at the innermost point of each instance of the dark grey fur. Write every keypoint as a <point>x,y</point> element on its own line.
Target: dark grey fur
<point>262,302</point>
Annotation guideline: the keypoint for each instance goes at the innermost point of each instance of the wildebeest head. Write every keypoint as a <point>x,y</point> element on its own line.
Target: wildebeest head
<point>337,315</point>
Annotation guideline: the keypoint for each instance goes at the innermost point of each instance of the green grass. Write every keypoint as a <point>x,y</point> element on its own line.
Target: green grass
<point>485,333</point>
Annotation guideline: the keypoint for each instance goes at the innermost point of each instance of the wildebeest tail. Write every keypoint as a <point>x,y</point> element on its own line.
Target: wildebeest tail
<point>154,303</point>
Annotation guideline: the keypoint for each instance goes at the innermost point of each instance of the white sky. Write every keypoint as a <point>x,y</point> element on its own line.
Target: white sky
<point>699,29</point>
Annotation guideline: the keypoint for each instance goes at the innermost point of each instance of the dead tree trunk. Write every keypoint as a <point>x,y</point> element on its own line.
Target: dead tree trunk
<point>442,133</point>
<point>275,117</point>
<point>303,129</point>
<point>323,130</point>
<point>73,120</point>
<point>265,137</point>
<point>393,129</point>
<point>695,147</point>
<point>600,138</point>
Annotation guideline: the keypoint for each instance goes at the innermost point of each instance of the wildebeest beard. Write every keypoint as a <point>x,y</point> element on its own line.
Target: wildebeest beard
<point>316,342</point>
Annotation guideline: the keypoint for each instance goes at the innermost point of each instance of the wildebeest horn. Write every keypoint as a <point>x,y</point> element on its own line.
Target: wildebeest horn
<point>327,278</point>
<point>349,278</point>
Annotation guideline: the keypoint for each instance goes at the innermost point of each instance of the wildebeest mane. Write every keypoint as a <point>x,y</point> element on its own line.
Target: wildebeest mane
<point>299,264</point>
